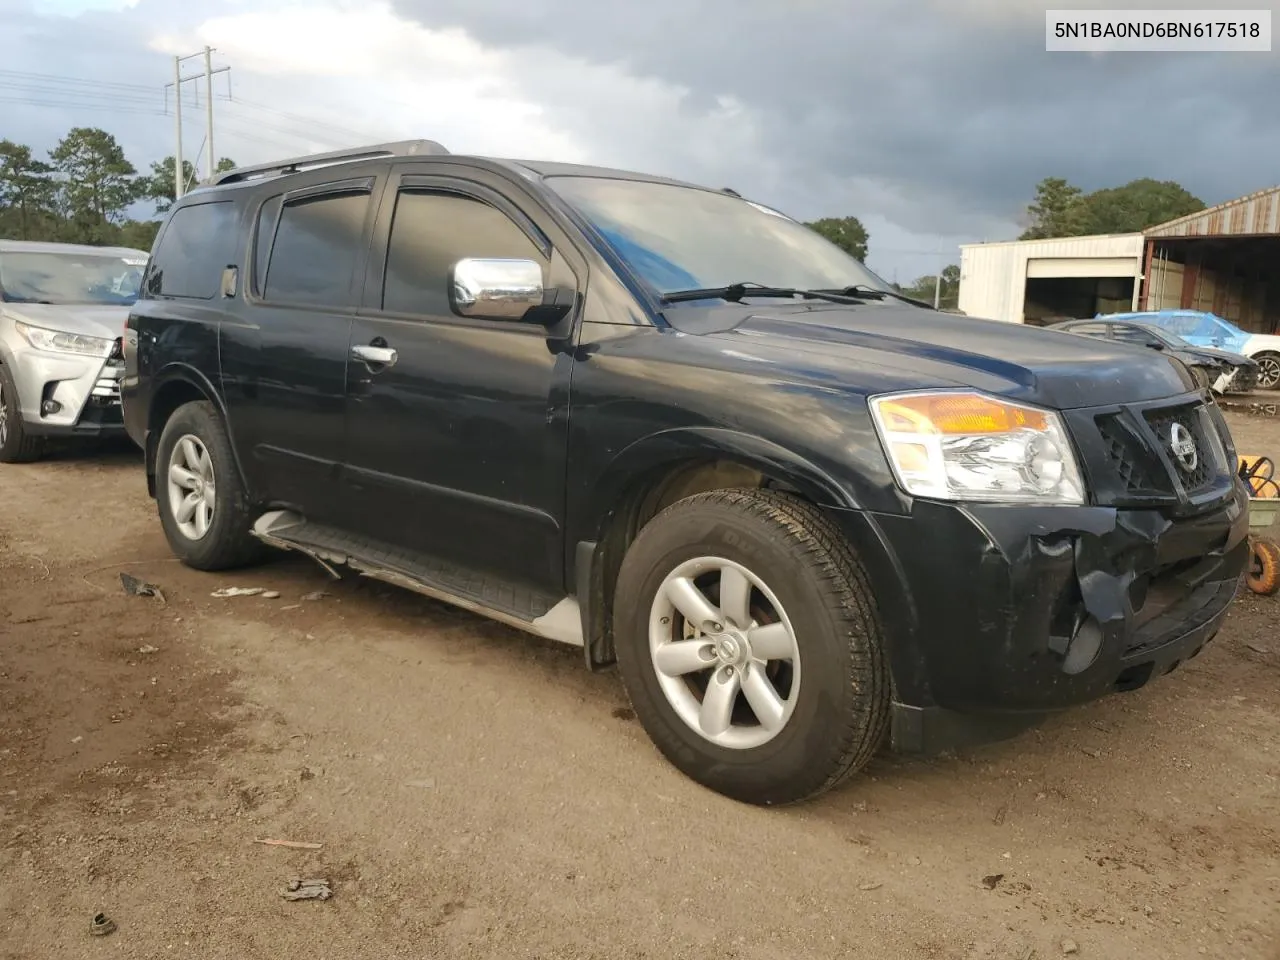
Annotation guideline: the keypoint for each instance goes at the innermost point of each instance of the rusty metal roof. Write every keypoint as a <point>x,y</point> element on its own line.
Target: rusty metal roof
<point>1257,214</point>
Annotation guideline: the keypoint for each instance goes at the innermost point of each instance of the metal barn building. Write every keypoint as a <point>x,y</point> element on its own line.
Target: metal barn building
<point>1225,260</point>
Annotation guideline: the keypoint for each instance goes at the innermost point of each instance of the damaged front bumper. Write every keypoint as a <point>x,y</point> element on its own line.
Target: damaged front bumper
<point>997,615</point>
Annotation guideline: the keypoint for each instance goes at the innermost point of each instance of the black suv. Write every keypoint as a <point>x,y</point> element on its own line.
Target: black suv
<point>803,513</point>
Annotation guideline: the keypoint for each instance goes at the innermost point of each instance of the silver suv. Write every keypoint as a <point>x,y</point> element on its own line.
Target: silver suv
<point>62,310</point>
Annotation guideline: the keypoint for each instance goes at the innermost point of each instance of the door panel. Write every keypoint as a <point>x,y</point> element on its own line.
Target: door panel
<point>284,362</point>
<point>457,448</point>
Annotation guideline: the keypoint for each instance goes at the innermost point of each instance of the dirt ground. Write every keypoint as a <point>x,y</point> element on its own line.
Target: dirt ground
<point>478,794</point>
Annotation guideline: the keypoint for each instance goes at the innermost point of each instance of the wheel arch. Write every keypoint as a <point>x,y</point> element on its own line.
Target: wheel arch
<point>176,386</point>
<point>652,473</point>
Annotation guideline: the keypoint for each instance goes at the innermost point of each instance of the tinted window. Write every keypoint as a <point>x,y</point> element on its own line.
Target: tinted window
<point>1133,334</point>
<point>198,243</point>
<point>1090,329</point>
<point>429,233</point>
<point>267,220</point>
<point>315,249</point>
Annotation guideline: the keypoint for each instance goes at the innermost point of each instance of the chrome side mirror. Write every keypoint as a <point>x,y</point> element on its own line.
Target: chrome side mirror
<point>495,289</point>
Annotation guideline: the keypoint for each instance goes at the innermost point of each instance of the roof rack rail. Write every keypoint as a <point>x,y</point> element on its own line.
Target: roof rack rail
<point>398,148</point>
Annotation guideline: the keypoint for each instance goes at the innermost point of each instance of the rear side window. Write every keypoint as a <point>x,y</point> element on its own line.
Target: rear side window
<point>198,243</point>
<point>1090,329</point>
<point>432,231</point>
<point>315,249</point>
<point>268,217</point>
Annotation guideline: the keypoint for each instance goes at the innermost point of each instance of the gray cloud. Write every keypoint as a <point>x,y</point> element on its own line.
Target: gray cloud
<point>932,120</point>
<point>954,109</point>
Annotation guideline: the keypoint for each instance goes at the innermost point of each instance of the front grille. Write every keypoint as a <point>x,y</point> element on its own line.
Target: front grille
<point>106,390</point>
<point>1138,471</point>
<point>1139,460</point>
<point>1191,419</point>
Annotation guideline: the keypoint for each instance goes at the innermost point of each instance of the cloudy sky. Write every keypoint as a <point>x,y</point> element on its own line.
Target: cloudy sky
<point>931,120</point>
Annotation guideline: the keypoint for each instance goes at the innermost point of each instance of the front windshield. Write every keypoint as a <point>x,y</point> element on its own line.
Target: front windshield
<point>685,238</point>
<point>70,278</point>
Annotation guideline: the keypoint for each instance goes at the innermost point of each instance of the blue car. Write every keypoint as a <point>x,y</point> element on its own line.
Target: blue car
<point>1203,329</point>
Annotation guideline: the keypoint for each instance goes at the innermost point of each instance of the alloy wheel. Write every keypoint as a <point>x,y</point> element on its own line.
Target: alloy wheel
<point>1269,372</point>
<point>191,487</point>
<point>724,653</point>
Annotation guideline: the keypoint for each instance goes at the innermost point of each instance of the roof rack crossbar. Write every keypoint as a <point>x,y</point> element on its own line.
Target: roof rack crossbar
<point>398,148</point>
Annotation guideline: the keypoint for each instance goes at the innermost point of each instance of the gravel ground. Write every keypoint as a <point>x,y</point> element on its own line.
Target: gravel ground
<point>479,794</point>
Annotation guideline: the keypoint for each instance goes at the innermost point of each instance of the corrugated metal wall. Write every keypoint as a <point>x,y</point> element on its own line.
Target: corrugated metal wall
<point>1256,214</point>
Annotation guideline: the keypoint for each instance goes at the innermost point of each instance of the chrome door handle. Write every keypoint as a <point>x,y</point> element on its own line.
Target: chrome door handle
<point>382,356</point>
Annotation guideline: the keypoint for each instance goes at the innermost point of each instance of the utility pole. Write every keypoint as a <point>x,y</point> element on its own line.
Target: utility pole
<point>180,186</point>
<point>937,290</point>
<point>208,87</point>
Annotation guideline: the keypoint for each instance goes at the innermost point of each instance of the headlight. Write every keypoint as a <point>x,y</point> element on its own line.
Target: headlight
<point>968,446</point>
<point>58,342</point>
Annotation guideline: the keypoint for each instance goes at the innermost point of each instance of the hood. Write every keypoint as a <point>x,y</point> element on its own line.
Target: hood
<point>1213,353</point>
<point>105,321</point>
<point>891,342</point>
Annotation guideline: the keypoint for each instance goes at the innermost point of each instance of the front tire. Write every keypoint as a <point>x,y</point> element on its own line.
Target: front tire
<point>16,445</point>
<point>203,506</point>
<point>1268,370</point>
<point>750,647</point>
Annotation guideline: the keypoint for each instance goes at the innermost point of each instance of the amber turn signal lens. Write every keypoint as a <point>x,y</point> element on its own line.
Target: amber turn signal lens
<point>959,413</point>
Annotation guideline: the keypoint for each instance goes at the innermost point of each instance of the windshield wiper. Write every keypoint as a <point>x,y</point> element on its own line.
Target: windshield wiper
<point>737,292</point>
<point>874,293</point>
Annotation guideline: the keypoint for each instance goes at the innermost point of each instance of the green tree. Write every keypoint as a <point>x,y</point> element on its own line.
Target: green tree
<point>924,287</point>
<point>158,186</point>
<point>139,234</point>
<point>1056,210</point>
<point>1136,206</point>
<point>97,182</point>
<point>27,190</point>
<point>847,233</point>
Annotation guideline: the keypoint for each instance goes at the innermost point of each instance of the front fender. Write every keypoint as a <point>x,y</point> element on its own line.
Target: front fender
<point>659,453</point>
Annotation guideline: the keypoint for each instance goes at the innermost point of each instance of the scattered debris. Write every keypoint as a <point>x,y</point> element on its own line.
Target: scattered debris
<point>1255,647</point>
<point>271,595</point>
<point>421,784</point>
<point>140,588</point>
<point>992,881</point>
<point>1091,752</point>
<point>315,595</point>
<point>76,739</point>
<point>293,844</point>
<point>870,885</point>
<point>1006,856</point>
<point>307,890</point>
<point>237,592</point>
<point>306,773</point>
<point>101,925</point>
<point>1000,814</point>
<point>148,648</point>
<point>623,713</point>
<point>292,606</point>
<point>1070,946</point>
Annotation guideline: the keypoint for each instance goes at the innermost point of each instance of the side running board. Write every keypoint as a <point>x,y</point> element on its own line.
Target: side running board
<point>517,606</point>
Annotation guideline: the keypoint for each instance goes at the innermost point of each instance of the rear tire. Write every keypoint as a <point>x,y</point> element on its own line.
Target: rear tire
<point>203,505</point>
<point>16,445</point>
<point>802,581</point>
